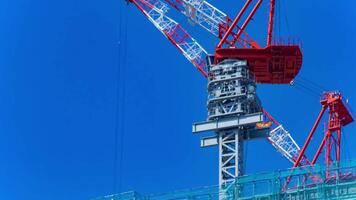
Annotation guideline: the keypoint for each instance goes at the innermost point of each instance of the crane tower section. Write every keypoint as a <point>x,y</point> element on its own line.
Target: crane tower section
<point>234,111</point>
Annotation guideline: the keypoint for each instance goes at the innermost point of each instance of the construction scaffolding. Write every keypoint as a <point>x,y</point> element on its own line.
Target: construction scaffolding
<point>307,183</point>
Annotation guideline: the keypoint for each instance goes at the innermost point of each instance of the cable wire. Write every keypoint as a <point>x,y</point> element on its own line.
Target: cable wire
<point>309,87</point>
<point>305,90</point>
<point>285,18</point>
<point>123,100</point>
<point>317,85</point>
<point>119,103</point>
<point>279,19</point>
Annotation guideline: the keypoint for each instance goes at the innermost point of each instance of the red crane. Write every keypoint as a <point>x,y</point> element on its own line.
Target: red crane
<point>233,39</point>
<point>338,117</point>
<point>274,63</point>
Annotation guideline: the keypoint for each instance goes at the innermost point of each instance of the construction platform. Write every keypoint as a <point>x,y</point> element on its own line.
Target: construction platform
<point>339,183</point>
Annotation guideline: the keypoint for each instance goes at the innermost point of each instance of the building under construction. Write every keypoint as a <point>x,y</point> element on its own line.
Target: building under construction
<point>235,113</point>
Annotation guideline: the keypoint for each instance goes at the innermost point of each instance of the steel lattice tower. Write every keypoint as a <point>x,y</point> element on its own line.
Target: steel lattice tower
<point>233,112</point>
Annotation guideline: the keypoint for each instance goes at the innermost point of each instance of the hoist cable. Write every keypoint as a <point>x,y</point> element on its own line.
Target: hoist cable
<point>123,100</point>
<point>285,18</point>
<point>119,100</point>
<point>308,86</point>
<point>279,19</point>
<point>317,85</point>
<point>314,90</point>
<point>306,90</point>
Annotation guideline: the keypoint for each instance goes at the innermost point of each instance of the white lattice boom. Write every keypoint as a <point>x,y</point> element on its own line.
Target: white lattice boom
<point>155,11</point>
<point>206,15</point>
<point>211,19</point>
<point>284,143</point>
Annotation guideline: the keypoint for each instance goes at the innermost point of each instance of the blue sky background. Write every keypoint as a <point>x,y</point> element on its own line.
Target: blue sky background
<point>62,97</point>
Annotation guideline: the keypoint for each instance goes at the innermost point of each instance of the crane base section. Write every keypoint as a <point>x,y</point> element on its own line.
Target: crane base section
<point>275,64</point>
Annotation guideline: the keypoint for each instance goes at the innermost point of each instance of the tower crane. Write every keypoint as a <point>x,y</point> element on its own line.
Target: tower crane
<point>217,23</point>
<point>238,54</point>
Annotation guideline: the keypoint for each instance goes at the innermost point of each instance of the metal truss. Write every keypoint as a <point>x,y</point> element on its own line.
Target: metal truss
<point>232,95</point>
<point>202,13</point>
<point>205,14</point>
<point>284,143</point>
<point>230,156</point>
<point>155,11</point>
<point>211,19</point>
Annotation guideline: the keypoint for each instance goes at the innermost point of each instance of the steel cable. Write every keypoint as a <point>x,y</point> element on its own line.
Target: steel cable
<point>123,100</point>
<point>119,128</point>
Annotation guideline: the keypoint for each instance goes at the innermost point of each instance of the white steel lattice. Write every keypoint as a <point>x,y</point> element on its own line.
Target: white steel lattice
<point>155,11</point>
<point>202,13</point>
<point>231,156</point>
<point>284,143</point>
<point>205,14</point>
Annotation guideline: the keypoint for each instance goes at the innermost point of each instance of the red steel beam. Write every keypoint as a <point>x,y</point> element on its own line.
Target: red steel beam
<point>301,154</point>
<point>338,148</point>
<point>270,22</point>
<point>318,151</point>
<point>236,37</point>
<point>222,41</point>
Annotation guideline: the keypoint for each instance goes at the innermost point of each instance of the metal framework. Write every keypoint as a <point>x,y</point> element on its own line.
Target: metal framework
<point>338,117</point>
<point>231,90</point>
<point>284,143</point>
<point>232,93</point>
<point>211,19</point>
<point>231,97</point>
<point>282,140</point>
<point>231,148</point>
<point>200,12</point>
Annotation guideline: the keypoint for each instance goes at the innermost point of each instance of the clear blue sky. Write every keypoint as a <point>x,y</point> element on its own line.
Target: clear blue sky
<point>59,65</point>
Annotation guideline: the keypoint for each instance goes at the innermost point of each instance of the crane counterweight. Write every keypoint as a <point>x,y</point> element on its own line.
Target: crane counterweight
<point>276,64</point>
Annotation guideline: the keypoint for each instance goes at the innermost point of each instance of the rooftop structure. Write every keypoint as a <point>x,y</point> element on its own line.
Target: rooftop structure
<point>267,186</point>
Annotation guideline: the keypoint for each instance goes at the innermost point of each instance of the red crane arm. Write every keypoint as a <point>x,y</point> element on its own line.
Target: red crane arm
<point>234,24</point>
<point>270,22</point>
